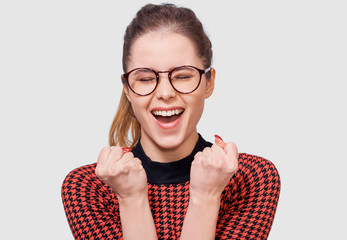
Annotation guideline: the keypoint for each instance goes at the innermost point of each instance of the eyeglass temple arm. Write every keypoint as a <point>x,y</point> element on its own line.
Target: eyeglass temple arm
<point>207,69</point>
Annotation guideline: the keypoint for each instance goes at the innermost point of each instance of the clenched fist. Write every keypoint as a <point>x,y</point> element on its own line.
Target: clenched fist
<point>212,169</point>
<point>122,172</point>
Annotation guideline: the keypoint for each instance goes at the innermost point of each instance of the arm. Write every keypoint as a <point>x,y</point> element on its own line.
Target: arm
<point>127,178</point>
<point>250,200</point>
<point>136,218</point>
<point>210,173</point>
<point>95,210</point>
<point>201,219</point>
<point>90,206</point>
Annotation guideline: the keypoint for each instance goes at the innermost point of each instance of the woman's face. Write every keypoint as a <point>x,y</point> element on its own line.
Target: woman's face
<point>164,51</point>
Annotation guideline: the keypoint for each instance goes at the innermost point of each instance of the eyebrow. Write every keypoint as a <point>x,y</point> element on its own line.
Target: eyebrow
<point>141,70</point>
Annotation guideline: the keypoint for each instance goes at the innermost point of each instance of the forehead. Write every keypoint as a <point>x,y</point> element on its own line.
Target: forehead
<point>163,50</point>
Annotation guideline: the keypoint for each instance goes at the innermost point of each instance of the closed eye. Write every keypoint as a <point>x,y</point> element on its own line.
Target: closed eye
<point>183,77</point>
<point>146,79</point>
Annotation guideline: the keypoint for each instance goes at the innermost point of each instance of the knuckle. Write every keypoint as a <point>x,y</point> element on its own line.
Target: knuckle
<point>214,147</point>
<point>130,155</point>
<point>123,168</point>
<point>100,172</point>
<point>116,149</point>
<point>97,172</point>
<point>111,171</point>
<point>219,164</point>
<point>206,161</point>
<point>197,156</point>
<point>232,167</point>
<point>105,149</point>
<point>206,150</point>
<point>233,146</point>
<point>138,163</point>
<point>131,164</point>
<point>103,153</point>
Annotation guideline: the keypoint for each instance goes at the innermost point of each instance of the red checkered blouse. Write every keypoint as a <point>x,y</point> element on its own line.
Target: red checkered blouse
<point>247,209</point>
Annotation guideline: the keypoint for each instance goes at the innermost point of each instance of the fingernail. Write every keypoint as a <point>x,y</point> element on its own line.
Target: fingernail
<point>125,150</point>
<point>217,136</point>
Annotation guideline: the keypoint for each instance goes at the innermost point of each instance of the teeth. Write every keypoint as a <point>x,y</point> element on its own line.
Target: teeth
<point>168,113</point>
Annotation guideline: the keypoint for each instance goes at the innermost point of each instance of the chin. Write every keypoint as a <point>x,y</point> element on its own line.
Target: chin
<point>171,141</point>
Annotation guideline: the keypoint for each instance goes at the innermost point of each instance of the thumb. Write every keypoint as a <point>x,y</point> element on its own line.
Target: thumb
<point>219,141</point>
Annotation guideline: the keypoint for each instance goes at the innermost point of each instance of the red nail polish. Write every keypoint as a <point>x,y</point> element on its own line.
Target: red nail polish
<point>217,136</point>
<point>125,150</point>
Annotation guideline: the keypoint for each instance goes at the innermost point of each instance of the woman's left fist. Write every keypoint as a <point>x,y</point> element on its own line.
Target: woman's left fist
<point>212,169</point>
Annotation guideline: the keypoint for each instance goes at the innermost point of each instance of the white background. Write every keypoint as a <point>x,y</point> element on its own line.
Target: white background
<point>280,93</point>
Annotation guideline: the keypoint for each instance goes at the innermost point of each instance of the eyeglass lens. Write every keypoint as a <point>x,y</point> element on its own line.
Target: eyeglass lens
<point>183,79</point>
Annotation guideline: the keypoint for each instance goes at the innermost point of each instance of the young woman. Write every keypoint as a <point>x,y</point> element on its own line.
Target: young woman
<point>168,182</point>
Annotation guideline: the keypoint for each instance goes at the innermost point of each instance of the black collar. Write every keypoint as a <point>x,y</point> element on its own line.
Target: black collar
<point>172,172</point>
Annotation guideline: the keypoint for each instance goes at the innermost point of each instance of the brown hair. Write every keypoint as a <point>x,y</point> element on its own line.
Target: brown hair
<point>152,18</point>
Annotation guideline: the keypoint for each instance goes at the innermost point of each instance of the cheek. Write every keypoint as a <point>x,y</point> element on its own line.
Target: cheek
<point>197,105</point>
<point>139,106</point>
<point>137,109</point>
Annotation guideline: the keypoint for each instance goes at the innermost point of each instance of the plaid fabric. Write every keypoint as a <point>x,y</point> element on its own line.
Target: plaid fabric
<point>248,204</point>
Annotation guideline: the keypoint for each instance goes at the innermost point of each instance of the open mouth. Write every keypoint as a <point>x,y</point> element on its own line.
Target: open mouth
<point>167,116</point>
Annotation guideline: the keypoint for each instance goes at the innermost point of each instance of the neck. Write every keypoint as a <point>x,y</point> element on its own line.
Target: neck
<point>159,154</point>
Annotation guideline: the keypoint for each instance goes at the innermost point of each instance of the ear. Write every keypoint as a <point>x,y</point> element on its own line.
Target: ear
<point>126,90</point>
<point>210,83</point>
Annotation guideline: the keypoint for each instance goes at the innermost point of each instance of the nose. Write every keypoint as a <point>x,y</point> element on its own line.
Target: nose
<point>164,89</point>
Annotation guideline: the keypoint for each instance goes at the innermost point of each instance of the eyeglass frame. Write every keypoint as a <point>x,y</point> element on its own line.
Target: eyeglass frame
<point>201,72</point>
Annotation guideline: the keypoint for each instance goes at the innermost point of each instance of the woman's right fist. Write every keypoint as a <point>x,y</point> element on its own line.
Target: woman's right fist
<point>122,172</point>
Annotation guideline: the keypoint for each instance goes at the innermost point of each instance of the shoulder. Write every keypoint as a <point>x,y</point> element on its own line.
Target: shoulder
<point>257,173</point>
<point>252,164</point>
<point>256,180</point>
<point>79,174</point>
<point>83,179</point>
<point>250,200</point>
<point>90,205</point>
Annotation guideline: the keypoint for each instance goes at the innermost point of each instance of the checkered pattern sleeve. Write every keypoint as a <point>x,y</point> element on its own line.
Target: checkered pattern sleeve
<point>248,204</point>
<point>249,201</point>
<point>90,205</point>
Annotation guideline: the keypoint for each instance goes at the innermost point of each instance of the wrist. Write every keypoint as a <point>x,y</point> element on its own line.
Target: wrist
<point>209,200</point>
<point>133,202</point>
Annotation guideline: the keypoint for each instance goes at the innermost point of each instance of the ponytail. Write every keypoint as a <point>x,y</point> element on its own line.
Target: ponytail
<point>124,121</point>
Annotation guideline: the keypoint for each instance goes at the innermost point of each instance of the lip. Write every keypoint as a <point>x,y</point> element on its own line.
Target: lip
<point>170,124</point>
<point>165,108</point>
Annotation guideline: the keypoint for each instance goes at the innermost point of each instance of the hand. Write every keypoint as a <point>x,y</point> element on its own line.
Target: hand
<point>122,172</point>
<point>212,169</point>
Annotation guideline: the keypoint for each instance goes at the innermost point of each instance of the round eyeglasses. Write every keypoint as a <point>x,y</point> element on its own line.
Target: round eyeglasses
<point>184,79</point>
